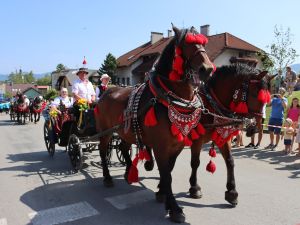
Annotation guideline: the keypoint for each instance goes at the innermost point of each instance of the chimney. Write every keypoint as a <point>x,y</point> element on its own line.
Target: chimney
<point>155,37</point>
<point>169,33</point>
<point>204,30</point>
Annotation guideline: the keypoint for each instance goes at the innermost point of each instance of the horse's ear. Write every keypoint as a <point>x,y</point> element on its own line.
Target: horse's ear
<point>272,77</point>
<point>261,75</point>
<point>176,30</point>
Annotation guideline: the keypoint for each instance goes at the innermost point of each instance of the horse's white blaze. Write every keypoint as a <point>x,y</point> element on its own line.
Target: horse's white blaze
<point>127,200</point>
<point>3,221</point>
<point>62,214</point>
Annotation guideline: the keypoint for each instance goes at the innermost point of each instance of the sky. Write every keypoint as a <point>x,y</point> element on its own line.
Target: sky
<point>36,35</point>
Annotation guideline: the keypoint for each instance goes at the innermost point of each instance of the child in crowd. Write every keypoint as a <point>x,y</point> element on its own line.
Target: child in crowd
<point>297,140</point>
<point>288,135</point>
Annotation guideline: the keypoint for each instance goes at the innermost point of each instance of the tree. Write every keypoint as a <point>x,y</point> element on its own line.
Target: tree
<point>267,62</point>
<point>109,66</point>
<point>281,52</point>
<point>52,93</point>
<point>46,80</point>
<point>60,67</point>
<point>19,77</point>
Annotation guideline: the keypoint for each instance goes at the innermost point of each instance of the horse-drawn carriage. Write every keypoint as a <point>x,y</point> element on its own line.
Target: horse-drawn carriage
<point>74,129</point>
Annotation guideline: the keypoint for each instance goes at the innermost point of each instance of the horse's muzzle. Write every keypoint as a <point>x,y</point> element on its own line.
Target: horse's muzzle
<point>205,71</point>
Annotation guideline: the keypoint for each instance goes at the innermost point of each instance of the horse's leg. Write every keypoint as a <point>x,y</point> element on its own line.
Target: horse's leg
<point>175,212</point>
<point>124,148</point>
<point>31,116</point>
<point>39,116</point>
<point>148,165</point>
<point>231,195</point>
<point>195,189</point>
<point>103,148</point>
<point>35,119</point>
<point>160,195</point>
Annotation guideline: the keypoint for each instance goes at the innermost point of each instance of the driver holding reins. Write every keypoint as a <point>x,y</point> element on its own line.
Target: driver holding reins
<point>83,88</point>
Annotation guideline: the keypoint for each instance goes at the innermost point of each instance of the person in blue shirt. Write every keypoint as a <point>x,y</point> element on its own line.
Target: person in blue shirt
<point>278,105</point>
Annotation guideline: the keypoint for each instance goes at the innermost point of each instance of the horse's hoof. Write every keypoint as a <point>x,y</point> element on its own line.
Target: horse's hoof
<point>148,165</point>
<point>108,182</point>
<point>160,197</point>
<point>195,192</point>
<point>177,217</point>
<point>231,197</point>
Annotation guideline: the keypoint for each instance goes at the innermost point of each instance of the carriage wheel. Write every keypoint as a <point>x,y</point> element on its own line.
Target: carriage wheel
<point>49,138</point>
<point>75,152</point>
<point>115,143</point>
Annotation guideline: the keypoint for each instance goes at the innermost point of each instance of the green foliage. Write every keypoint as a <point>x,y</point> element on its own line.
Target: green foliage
<point>52,93</point>
<point>20,77</point>
<point>7,95</point>
<point>109,66</point>
<point>281,51</point>
<point>267,61</point>
<point>60,67</point>
<point>46,80</point>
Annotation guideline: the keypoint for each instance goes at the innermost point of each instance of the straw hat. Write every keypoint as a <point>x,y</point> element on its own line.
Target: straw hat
<point>104,76</point>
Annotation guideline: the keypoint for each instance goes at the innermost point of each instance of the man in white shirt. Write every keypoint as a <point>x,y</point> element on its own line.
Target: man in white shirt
<point>82,87</point>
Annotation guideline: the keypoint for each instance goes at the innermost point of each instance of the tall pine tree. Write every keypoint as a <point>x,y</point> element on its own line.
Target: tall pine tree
<point>109,67</point>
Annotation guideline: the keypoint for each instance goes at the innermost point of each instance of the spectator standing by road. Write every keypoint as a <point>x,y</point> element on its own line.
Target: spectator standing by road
<point>291,79</point>
<point>278,104</point>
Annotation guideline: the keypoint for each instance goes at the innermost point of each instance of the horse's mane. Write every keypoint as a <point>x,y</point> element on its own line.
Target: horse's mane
<point>234,71</point>
<point>165,62</point>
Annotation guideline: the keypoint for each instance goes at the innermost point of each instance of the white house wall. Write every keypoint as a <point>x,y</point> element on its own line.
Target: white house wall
<point>125,72</point>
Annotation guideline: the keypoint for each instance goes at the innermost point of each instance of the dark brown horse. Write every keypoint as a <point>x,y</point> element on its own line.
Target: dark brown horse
<point>36,106</point>
<point>229,84</point>
<point>21,108</point>
<point>182,65</point>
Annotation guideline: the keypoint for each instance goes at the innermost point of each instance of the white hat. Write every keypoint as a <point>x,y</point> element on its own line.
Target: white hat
<point>104,76</point>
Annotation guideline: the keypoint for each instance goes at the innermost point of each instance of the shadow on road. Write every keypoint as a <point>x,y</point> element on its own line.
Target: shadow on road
<point>285,162</point>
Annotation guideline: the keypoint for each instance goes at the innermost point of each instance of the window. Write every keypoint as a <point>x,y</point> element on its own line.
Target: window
<point>128,80</point>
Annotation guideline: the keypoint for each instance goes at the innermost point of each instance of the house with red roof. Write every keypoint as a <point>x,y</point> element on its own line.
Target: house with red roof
<point>222,49</point>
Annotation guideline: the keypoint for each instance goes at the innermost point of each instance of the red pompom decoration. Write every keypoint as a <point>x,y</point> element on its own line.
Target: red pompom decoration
<point>194,134</point>
<point>212,152</point>
<point>150,118</point>
<point>241,107</point>
<point>211,167</point>
<point>196,39</point>
<point>200,129</point>
<point>187,141</point>
<point>180,137</point>
<point>174,76</point>
<point>177,65</point>
<point>232,106</point>
<point>174,130</point>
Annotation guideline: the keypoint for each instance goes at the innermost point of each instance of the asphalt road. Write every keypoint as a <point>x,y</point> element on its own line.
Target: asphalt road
<point>37,189</point>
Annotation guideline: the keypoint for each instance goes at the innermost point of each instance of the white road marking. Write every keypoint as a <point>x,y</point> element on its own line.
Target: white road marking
<point>127,200</point>
<point>3,221</point>
<point>62,214</point>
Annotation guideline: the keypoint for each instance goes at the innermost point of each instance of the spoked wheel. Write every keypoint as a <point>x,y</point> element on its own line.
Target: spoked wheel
<point>49,138</point>
<point>115,145</point>
<point>75,152</point>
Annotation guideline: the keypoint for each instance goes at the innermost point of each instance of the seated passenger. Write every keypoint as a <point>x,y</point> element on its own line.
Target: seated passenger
<point>63,99</point>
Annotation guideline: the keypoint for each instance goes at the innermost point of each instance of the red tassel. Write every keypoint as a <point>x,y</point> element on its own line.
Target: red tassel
<point>241,107</point>
<point>211,167</point>
<point>187,141</point>
<point>147,155</point>
<point>194,134</point>
<point>177,65</point>
<point>133,174</point>
<point>174,76</point>
<point>180,137</point>
<point>178,51</point>
<point>268,97</point>
<point>150,118</point>
<point>262,95</point>
<point>121,118</point>
<point>142,154</point>
<point>212,152</point>
<point>232,106</point>
<point>200,129</point>
<point>174,130</point>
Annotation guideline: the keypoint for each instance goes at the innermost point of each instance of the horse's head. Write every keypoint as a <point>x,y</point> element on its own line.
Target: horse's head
<point>241,89</point>
<point>185,58</point>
